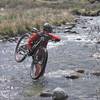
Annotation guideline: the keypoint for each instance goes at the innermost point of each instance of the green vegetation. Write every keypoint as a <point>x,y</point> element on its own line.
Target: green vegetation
<point>19,16</point>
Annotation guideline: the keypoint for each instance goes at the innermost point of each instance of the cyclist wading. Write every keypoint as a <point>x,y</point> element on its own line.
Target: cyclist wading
<point>36,46</point>
<point>47,29</point>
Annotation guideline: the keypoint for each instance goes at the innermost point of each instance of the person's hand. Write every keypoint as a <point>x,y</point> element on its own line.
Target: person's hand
<point>57,40</point>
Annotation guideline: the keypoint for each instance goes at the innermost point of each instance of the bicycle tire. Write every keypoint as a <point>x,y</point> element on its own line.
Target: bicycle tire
<point>45,57</point>
<point>17,46</point>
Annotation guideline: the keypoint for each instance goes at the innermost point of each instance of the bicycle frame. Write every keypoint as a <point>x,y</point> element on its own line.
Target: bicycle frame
<point>39,42</point>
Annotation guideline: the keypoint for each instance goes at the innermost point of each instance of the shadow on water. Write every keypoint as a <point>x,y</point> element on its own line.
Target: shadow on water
<point>35,88</point>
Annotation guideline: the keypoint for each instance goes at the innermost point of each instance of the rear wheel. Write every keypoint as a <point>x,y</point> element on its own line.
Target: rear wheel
<point>21,48</point>
<point>39,63</point>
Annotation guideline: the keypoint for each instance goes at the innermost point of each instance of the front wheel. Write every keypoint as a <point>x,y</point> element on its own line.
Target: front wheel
<point>21,48</point>
<point>39,63</point>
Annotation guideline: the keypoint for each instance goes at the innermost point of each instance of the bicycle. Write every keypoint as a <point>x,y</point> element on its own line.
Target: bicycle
<point>39,54</point>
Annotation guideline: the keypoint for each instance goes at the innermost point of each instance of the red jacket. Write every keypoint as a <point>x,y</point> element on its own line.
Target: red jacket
<point>36,36</point>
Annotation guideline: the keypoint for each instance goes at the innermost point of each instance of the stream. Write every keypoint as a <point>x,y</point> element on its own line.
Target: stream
<point>77,49</point>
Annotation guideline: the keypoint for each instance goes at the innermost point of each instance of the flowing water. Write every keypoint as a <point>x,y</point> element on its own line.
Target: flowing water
<point>74,51</point>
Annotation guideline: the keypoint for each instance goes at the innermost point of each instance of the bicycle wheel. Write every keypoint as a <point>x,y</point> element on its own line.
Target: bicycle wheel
<point>39,63</point>
<point>21,48</point>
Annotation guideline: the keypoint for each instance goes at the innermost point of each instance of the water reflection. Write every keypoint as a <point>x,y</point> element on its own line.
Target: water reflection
<point>36,87</point>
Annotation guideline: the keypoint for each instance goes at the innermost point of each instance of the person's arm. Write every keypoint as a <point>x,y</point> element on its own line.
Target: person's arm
<point>55,38</point>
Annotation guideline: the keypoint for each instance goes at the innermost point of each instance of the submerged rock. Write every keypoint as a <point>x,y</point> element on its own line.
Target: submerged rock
<point>56,94</point>
<point>79,70</point>
<point>78,39</point>
<point>96,55</point>
<point>59,94</point>
<point>11,39</point>
<point>73,76</point>
<point>96,73</point>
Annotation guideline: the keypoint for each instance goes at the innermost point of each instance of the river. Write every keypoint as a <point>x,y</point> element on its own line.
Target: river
<point>75,50</point>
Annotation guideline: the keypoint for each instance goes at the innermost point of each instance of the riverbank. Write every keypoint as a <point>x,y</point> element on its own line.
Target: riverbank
<point>19,16</point>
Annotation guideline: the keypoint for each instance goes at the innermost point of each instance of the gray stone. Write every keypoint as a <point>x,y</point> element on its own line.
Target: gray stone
<point>74,75</point>
<point>96,55</point>
<point>79,70</point>
<point>59,94</point>
<point>96,73</point>
<point>78,39</point>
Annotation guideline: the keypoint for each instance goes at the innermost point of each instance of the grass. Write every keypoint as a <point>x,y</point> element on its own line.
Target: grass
<point>15,22</point>
<point>19,16</point>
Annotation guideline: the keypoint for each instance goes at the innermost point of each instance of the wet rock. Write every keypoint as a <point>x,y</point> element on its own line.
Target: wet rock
<point>78,39</point>
<point>91,18</point>
<point>65,31</point>
<point>97,73</point>
<point>96,55</point>
<point>72,31</point>
<point>0,40</point>
<point>98,42</point>
<point>70,25</point>
<point>46,93</point>
<point>74,75</point>
<point>80,70</point>
<point>59,94</point>
<point>11,39</point>
<point>84,27</point>
<point>5,38</point>
<point>92,1</point>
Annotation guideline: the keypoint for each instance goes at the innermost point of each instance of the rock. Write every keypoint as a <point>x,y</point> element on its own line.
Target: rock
<point>74,75</point>
<point>91,18</point>
<point>46,93</point>
<point>2,9</point>
<point>68,27</point>
<point>92,1</point>
<point>80,70</point>
<point>96,55</point>
<point>98,42</point>
<point>97,73</point>
<point>59,94</point>
<point>11,39</point>
<point>78,39</point>
<point>84,27</point>
<point>0,40</point>
<point>65,31</point>
<point>72,31</point>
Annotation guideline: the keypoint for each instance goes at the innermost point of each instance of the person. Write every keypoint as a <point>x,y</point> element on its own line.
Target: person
<point>47,29</point>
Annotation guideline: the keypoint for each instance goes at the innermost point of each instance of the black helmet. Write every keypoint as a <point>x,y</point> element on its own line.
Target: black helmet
<point>47,27</point>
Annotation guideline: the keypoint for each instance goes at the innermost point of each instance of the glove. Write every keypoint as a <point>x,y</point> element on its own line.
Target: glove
<point>57,40</point>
